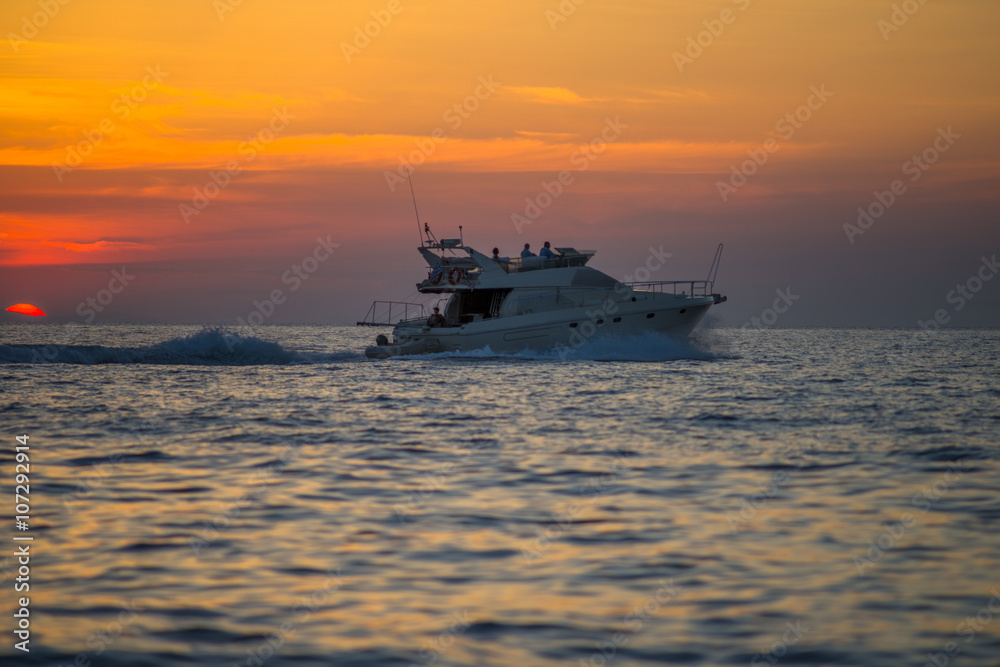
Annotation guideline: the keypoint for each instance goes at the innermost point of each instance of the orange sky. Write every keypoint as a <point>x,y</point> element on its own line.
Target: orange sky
<point>116,115</point>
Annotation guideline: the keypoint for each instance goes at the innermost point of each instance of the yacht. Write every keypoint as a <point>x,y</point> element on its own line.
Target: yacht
<point>536,303</point>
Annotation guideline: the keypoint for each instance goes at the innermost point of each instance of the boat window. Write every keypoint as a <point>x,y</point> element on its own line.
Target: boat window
<point>534,304</point>
<point>564,300</point>
<point>650,316</point>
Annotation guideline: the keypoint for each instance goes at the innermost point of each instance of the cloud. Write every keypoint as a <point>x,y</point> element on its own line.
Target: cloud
<point>544,135</point>
<point>662,94</point>
<point>544,95</point>
<point>99,245</point>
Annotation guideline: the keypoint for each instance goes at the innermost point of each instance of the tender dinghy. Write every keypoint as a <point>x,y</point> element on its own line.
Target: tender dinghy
<point>421,346</point>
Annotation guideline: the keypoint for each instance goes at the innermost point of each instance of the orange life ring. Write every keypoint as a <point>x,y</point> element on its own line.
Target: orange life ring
<point>454,276</point>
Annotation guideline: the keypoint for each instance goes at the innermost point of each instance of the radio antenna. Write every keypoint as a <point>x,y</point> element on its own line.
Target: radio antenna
<point>409,179</point>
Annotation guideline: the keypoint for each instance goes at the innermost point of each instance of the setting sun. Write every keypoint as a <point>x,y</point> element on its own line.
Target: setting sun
<point>26,309</point>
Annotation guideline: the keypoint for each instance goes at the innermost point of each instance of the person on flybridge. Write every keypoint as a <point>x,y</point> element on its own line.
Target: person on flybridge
<point>547,252</point>
<point>527,251</point>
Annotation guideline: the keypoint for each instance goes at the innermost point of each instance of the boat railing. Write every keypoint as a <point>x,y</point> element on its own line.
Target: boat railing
<point>695,288</point>
<point>381,313</point>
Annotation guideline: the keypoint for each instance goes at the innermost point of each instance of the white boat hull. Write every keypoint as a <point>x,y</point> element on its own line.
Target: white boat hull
<point>568,328</point>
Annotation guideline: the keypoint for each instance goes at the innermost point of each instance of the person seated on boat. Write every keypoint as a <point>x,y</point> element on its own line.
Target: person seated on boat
<point>496,254</point>
<point>527,251</point>
<point>547,252</point>
<point>437,319</point>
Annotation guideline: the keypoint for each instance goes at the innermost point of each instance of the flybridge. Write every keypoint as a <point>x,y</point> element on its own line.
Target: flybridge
<point>454,272</point>
<point>567,257</point>
<point>477,262</point>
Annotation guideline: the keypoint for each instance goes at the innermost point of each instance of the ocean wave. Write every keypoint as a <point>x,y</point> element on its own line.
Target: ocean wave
<point>208,347</point>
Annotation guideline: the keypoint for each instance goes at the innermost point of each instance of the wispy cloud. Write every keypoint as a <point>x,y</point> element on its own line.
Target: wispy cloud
<point>94,246</point>
<point>652,96</point>
<point>557,95</point>
<point>544,135</point>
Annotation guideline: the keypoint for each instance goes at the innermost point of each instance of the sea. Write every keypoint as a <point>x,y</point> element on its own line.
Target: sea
<point>195,496</point>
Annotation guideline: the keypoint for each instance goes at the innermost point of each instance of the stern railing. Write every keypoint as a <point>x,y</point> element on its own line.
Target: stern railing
<point>381,313</point>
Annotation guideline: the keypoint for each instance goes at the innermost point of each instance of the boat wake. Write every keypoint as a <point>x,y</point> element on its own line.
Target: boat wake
<point>208,347</point>
<point>219,347</point>
<point>649,347</point>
